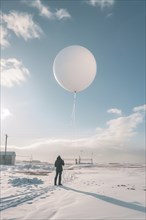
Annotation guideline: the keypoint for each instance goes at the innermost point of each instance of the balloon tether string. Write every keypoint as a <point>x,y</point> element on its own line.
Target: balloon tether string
<point>74,108</point>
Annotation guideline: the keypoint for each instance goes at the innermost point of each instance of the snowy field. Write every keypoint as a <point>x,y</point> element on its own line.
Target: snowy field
<point>99,191</point>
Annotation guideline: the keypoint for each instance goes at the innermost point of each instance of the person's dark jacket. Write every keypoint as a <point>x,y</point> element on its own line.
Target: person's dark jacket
<point>58,164</point>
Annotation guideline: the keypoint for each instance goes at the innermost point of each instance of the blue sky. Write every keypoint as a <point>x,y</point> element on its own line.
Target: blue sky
<point>36,110</point>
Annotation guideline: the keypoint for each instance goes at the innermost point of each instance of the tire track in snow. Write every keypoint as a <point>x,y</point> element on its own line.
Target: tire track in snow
<point>13,201</point>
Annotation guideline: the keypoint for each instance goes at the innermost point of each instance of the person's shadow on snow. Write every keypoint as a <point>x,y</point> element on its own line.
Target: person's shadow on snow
<point>110,200</point>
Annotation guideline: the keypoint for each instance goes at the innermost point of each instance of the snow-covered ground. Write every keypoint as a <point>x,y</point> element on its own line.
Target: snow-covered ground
<point>99,191</point>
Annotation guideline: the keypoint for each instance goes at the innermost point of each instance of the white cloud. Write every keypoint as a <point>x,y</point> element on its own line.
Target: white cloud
<point>4,37</point>
<point>116,134</point>
<point>54,142</point>
<point>45,11</point>
<point>115,110</point>
<point>62,13</point>
<point>22,25</point>
<point>12,72</point>
<point>114,142</point>
<point>101,3</point>
<point>123,127</point>
<point>140,108</point>
<point>5,113</point>
<point>109,15</point>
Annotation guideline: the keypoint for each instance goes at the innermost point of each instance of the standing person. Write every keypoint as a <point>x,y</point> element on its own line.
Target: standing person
<point>58,164</point>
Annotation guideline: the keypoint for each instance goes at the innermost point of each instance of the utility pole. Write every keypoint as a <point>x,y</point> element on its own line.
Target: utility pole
<point>6,137</point>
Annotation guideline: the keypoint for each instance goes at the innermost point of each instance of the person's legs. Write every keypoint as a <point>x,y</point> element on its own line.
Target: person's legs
<point>60,173</point>
<point>55,179</point>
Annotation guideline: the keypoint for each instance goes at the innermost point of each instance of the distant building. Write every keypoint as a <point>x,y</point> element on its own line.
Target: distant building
<point>8,159</point>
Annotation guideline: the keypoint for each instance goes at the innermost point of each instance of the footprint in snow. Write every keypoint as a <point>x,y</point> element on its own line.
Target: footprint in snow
<point>29,202</point>
<point>43,197</point>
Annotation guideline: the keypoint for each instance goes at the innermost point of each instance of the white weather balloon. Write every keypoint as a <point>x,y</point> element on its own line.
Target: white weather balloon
<point>74,68</point>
